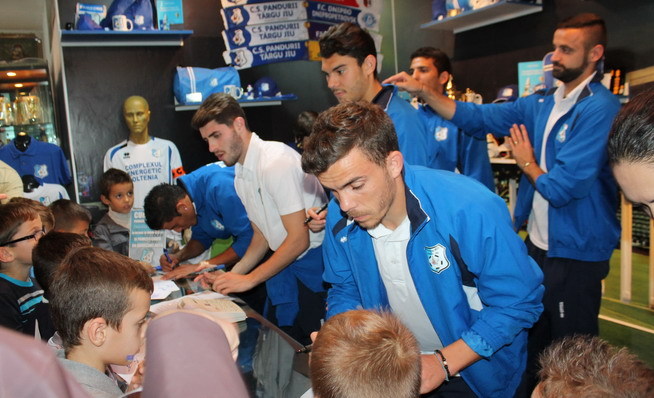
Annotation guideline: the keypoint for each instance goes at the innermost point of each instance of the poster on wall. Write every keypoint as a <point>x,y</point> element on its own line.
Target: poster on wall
<point>261,13</point>
<point>325,12</point>
<point>259,32</point>
<point>247,57</point>
<point>530,77</point>
<point>256,35</point>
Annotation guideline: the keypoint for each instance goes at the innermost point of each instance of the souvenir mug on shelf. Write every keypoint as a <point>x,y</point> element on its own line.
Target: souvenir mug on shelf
<point>471,96</point>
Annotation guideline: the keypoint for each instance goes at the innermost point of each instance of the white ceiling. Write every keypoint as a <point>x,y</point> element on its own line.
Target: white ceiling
<point>26,16</point>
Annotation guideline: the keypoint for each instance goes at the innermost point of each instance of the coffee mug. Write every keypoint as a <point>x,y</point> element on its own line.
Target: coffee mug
<point>122,23</point>
<point>234,91</point>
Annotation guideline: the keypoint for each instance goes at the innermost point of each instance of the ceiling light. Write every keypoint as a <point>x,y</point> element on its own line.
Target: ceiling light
<point>11,74</point>
<point>18,85</point>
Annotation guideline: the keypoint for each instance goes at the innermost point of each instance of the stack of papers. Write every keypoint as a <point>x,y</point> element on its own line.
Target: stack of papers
<point>212,303</point>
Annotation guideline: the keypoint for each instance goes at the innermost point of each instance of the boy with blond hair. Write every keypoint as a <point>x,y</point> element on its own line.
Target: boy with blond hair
<point>100,301</point>
<point>365,354</point>
<point>20,298</point>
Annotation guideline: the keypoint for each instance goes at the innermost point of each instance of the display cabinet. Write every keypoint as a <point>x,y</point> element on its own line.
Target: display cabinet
<point>26,101</point>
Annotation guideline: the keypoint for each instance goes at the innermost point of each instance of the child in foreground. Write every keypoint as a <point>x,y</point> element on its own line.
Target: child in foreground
<point>364,353</point>
<point>100,302</point>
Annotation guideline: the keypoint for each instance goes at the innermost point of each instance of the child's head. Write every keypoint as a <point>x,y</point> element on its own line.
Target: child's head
<point>47,218</point>
<point>365,354</point>
<point>100,300</point>
<point>20,229</point>
<point>70,217</point>
<point>117,190</point>
<point>50,252</point>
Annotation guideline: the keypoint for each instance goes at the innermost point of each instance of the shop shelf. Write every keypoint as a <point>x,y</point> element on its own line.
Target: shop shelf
<point>134,38</point>
<point>498,12</point>
<point>245,103</point>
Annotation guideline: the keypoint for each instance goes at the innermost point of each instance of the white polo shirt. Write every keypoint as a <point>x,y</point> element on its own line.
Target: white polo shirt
<point>390,251</point>
<point>538,225</point>
<point>271,184</point>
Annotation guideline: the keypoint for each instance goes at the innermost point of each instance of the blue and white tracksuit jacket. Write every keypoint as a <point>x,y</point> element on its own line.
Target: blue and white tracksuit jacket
<point>470,269</point>
<point>452,149</point>
<point>579,186</point>
<point>219,210</point>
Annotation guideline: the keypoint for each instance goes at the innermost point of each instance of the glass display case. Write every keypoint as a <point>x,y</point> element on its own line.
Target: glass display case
<point>26,101</point>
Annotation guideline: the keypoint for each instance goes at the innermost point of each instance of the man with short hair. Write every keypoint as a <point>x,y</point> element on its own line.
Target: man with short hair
<point>349,62</point>
<point>148,160</point>
<point>452,149</point>
<point>435,247</point>
<point>566,192</point>
<point>204,200</point>
<point>276,194</point>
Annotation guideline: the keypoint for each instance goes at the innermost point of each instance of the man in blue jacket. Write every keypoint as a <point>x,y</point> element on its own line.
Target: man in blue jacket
<point>349,62</point>
<point>451,148</point>
<point>433,246</point>
<point>566,191</point>
<point>206,201</point>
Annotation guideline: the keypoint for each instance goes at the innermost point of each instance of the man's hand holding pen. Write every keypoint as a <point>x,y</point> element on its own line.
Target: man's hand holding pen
<point>316,218</point>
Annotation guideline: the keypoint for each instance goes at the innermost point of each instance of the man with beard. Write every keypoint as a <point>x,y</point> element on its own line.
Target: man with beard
<point>566,193</point>
<point>434,247</point>
<point>275,193</point>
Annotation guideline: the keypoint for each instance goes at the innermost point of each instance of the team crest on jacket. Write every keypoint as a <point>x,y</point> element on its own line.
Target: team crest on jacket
<point>440,133</point>
<point>560,136</point>
<point>216,224</point>
<point>437,258</point>
<point>156,153</point>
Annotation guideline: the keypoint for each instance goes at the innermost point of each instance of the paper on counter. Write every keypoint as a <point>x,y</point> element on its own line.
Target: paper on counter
<point>162,288</point>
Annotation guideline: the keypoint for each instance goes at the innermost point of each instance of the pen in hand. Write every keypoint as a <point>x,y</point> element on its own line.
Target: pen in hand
<point>323,207</point>
<point>165,251</point>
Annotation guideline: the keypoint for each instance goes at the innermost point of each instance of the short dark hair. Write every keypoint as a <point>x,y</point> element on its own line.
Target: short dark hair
<point>220,108</point>
<point>587,366</point>
<point>160,205</point>
<point>632,135</point>
<point>304,124</point>
<point>112,177</point>
<point>47,218</point>
<point>345,126</point>
<point>593,23</point>
<point>350,40</point>
<point>439,58</point>
<point>12,216</point>
<point>66,213</point>
<point>93,283</point>
<point>365,353</point>
<point>50,252</point>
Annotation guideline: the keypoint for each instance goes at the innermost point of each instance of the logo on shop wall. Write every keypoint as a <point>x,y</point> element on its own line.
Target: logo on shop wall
<point>437,258</point>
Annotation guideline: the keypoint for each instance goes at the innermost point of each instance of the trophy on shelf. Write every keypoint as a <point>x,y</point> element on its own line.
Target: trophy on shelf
<point>28,109</point>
